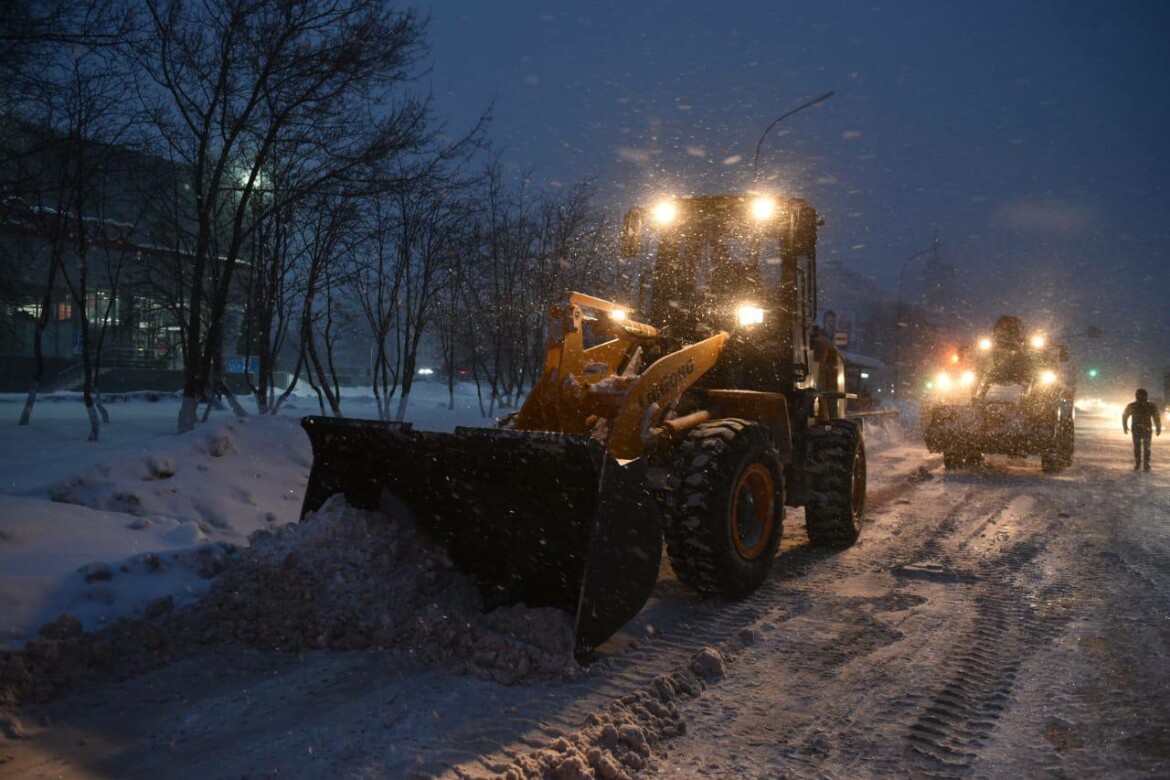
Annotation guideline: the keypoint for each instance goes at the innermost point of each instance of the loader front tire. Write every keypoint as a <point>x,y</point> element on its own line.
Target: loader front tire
<point>724,513</point>
<point>837,475</point>
<point>1061,454</point>
<point>1066,443</point>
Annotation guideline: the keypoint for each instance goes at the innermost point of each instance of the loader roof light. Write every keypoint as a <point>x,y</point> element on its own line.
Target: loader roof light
<point>954,358</point>
<point>1048,377</point>
<point>1038,341</point>
<point>763,207</point>
<point>665,212</point>
<point>749,314</point>
<point>984,344</point>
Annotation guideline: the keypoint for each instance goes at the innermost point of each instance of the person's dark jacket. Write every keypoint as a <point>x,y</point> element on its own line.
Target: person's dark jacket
<point>1145,417</point>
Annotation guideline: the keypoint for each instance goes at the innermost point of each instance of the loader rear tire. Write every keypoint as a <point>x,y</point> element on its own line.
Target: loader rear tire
<point>724,513</point>
<point>837,476</point>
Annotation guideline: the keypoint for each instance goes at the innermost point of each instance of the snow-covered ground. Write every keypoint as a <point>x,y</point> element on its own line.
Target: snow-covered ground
<point>990,622</point>
<point>101,529</point>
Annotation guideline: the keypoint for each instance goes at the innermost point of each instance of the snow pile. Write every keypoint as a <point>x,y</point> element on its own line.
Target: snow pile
<point>230,481</point>
<point>344,579</point>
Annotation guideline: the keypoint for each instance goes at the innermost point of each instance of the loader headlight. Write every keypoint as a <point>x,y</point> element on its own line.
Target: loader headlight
<point>665,212</point>
<point>943,381</point>
<point>749,314</point>
<point>1047,377</point>
<point>1038,342</point>
<point>617,315</point>
<point>763,207</point>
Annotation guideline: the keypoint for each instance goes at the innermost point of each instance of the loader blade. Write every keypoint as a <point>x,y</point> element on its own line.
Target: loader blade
<point>542,519</point>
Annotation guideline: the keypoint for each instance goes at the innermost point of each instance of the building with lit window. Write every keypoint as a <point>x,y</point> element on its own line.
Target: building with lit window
<point>92,250</point>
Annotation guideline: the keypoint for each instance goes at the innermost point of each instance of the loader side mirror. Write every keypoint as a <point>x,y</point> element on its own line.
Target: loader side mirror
<point>632,232</point>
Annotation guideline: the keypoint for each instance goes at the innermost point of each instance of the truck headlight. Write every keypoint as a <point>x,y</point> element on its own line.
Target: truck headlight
<point>665,212</point>
<point>749,314</point>
<point>763,207</point>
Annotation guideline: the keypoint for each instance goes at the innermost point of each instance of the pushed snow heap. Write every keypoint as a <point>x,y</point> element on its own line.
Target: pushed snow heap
<point>342,579</point>
<point>348,579</point>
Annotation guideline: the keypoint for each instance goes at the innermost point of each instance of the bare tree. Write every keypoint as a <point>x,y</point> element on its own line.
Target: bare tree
<point>52,230</point>
<point>60,59</point>
<point>494,288</point>
<point>428,231</point>
<point>33,32</point>
<point>241,83</point>
<point>378,278</point>
<point>525,250</point>
<point>329,230</point>
<point>93,92</point>
<point>273,255</point>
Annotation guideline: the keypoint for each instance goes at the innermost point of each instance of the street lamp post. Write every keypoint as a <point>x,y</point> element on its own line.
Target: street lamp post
<point>776,121</point>
<point>901,321</point>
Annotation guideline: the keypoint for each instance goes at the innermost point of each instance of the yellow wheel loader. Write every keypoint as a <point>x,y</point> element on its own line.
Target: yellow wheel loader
<point>693,418</point>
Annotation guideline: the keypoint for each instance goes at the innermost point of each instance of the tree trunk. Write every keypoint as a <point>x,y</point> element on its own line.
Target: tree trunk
<point>233,402</point>
<point>95,426</point>
<point>29,400</point>
<point>38,346</point>
<point>187,412</point>
<point>292,383</point>
<point>403,399</point>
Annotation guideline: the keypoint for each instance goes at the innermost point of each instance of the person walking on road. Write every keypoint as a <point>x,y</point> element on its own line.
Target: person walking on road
<point>1145,419</point>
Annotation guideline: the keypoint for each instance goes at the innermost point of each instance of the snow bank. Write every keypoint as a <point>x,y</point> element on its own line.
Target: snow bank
<point>346,579</point>
<point>342,579</point>
<point>229,481</point>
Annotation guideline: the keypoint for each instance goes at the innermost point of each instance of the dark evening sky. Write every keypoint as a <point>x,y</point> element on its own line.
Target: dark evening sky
<point>1031,137</point>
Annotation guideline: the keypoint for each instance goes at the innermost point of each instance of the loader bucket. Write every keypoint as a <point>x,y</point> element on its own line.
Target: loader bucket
<point>544,519</point>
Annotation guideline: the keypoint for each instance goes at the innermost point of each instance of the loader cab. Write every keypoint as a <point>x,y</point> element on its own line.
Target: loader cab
<point>745,264</point>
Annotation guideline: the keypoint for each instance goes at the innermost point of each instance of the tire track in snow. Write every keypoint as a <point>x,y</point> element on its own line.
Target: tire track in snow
<point>677,635</point>
<point>957,722</point>
<point>832,650</point>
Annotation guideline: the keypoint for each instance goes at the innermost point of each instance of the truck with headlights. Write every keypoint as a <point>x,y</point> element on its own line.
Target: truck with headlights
<point>687,417</point>
<point>1010,395</point>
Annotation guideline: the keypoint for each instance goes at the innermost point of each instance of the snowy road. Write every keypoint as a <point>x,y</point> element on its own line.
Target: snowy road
<point>995,623</point>
<point>999,622</point>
